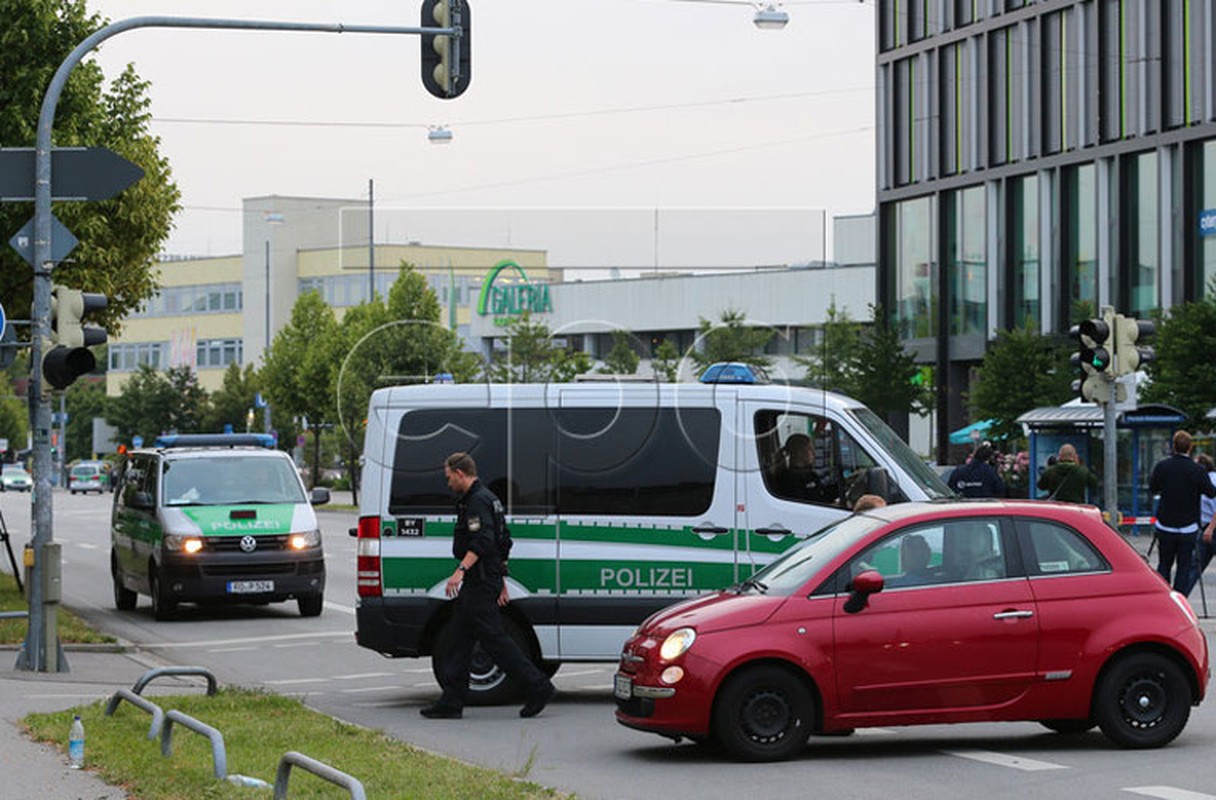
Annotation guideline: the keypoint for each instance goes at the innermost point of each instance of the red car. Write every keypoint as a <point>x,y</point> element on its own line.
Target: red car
<point>925,613</point>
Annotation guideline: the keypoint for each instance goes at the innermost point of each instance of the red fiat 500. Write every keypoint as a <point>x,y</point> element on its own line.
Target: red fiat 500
<point>925,613</point>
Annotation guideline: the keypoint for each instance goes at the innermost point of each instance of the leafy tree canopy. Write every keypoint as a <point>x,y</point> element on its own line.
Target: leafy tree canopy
<point>152,403</point>
<point>833,366</point>
<point>731,339</point>
<point>1183,374</point>
<point>622,359</point>
<point>532,356</point>
<point>1022,370</point>
<point>882,374</point>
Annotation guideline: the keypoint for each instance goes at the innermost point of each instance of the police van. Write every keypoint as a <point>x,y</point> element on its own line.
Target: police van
<point>215,518</point>
<point>621,498</point>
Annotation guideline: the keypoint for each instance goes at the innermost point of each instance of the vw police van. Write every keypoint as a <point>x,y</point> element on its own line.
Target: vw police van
<point>215,518</point>
<point>621,498</point>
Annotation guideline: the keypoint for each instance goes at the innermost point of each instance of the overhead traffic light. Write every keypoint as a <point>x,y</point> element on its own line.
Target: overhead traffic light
<point>1094,357</point>
<point>447,61</point>
<point>1130,350</point>
<point>67,356</point>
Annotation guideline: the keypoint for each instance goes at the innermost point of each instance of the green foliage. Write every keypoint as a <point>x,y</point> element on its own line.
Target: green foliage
<point>1022,370</point>
<point>882,374</point>
<point>13,631</point>
<point>731,339</point>
<point>232,402</point>
<point>532,356</point>
<point>84,400</point>
<point>14,419</point>
<point>152,403</point>
<point>301,367</point>
<point>119,238</point>
<point>666,362</point>
<point>622,359</point>
<point>834,365</point>
<point>1184,372</point>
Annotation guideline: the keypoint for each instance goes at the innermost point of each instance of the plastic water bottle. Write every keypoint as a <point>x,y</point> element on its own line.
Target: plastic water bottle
<point>246,780</point>
<point>76,744</point>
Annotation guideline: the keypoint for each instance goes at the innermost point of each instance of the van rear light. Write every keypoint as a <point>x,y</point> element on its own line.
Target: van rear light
<point>367,550</point>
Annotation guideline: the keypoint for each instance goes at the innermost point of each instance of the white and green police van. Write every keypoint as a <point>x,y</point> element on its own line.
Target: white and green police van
<point>215,518</point>
<point>621,498</point>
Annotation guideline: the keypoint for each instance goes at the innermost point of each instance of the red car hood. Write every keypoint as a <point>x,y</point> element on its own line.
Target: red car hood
<point>714,612</point>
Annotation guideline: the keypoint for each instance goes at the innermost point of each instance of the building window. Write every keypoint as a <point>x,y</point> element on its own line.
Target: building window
<point>1025,229</point>
<point>1143,252</point>
<point>129,356</point>
<point>172,301</point>
<point>212,353</point>
<point>1081,243</point>
<point>968,264</point>
<point>915,268</point>
<point>1207,244</point>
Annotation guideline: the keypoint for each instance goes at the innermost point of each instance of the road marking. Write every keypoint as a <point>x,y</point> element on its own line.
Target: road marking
<point>297,644</point>
<point>1169,793</point>
<point>370,689</point>
<point>876,731</point>
<point>246,640</point>
<point>233,649</point>
<point>340,607</point>
<point>293,681</point>
<point>87,546</point>
<point>580,672</point>
<point>427,685</point>
<point>363,675</point>
<point>1002,760</point>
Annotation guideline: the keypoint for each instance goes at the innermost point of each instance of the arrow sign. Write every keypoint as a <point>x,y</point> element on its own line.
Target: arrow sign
<point>62,241</point>
<point>77,173</point>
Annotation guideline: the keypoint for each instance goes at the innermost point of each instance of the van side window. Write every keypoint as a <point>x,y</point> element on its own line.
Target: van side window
<point>798,457</point>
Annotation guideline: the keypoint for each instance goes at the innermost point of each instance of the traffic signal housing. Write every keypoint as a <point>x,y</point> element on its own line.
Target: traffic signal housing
<point>447,61</point>
<point>1130,349</point>
<point>1094,357</point>
<point>67,355</point>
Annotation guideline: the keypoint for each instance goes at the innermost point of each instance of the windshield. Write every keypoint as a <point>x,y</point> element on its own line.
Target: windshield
<point>928,480</point>
<point>14,471</point>
<point>799,564</point>
<point>230,480</point>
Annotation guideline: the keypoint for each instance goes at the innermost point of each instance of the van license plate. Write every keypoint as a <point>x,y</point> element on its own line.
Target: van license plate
<point>410,526</point>
<point>622,687</point>
<point>250,587</point>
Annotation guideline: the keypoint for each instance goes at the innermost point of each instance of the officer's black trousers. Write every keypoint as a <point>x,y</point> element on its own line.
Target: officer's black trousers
<point>477,619</point>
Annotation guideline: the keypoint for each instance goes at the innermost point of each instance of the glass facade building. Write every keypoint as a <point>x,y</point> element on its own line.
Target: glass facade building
<point>1037,161</point>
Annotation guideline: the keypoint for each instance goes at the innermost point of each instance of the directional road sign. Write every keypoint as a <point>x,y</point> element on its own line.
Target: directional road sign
<point>62,241</point>
<point>77,173</point>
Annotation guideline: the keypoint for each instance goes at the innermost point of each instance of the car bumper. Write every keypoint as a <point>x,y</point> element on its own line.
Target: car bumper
<point>395,626</point>
<point>645,702</point>
<point>222,577</point>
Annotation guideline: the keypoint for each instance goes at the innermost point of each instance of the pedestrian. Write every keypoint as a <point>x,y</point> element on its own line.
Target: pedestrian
<point>977,478</point>
<point>1180,483</point>
<point>1067,479</point>
<point>479,589</point>
<point>1205,548</point>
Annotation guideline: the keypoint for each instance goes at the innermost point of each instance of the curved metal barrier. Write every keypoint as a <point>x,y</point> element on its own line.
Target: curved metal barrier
<point>158,716</point>
<point>219,758</point>
<point>318,768</point>
<point>148,676</point>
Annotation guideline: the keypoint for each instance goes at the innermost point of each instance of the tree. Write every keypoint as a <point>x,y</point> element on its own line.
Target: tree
<point>85,400</point>
<point>1183,374</point>
<point>833,366</point>
<point>119,238</point>
<point>14,420</point>
<point>1022,370</point>
<point>731,339</point>
<point>622,359</point>
<point>232,402</point>
<point>152,403</point>
<point>882,374</point>
<point>532,356</point>
<point>666,362</point>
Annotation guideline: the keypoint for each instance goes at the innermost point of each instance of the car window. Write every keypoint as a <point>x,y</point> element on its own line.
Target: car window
<point>798,457</point>
<point>1055,549</point>
<point>954,551</point>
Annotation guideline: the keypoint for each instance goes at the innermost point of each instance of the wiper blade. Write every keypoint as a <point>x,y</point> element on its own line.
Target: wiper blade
<point>752,583</point>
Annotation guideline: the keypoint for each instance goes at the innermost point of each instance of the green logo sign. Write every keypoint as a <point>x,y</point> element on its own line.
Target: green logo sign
<point>501,299</point>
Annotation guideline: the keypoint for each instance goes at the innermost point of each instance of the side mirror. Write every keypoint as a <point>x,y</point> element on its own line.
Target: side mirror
<point>142,501</point>
<point>320,496</point>
<point>864,585</point>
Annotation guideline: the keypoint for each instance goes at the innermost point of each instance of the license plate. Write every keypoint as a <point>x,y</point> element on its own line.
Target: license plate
<point>411,526</point>
<point>250,587</point>
<point>622,687</point>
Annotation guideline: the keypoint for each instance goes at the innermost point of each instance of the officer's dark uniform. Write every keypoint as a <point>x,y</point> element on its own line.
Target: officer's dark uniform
<point>477,618</point>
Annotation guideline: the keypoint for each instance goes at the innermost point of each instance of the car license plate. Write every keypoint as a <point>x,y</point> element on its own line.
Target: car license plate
<point>250,587</point>
<point>622,687</point>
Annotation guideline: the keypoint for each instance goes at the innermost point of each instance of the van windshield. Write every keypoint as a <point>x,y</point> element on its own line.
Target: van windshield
<point>897,448</point>
<point>230,480</point>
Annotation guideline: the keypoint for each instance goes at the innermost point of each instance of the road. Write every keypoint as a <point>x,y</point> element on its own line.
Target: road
<point>576,745</point>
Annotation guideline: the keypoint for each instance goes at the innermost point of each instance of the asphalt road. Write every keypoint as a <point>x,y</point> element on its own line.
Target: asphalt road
<point>576,745</point>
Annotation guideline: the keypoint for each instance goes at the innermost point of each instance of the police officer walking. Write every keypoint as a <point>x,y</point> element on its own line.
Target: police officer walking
<point>478,588</point>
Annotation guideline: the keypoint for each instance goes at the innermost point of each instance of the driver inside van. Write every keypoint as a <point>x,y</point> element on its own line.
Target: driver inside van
<point>798,479</point>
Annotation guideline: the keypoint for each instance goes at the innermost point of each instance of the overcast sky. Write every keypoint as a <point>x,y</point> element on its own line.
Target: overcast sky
<point>628,110</point>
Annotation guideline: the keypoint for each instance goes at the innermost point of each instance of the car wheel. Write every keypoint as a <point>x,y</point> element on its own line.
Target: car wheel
<point>488,684</point>
<point>1142,700</point>
<point>764,714</point>
<point>124,598</point>
<point>1068,726</point>
<point>163,606</point>
<point>310,605</point>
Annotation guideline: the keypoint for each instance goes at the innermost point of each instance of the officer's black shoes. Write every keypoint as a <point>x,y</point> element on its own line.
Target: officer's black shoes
<point>537,702</point>
<point>438,711</point>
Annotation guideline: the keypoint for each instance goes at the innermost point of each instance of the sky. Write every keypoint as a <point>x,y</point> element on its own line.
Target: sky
<point>674,128</point>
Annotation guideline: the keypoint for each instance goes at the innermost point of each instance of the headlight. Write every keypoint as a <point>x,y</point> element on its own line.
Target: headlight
<point>677,644</point>
<point>183,543</point>
<point>303,541</point>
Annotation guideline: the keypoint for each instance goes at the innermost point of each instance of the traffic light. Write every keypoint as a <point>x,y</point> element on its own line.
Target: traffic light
<point>67,355</point>
<point>1130,333</point>
<point>1094,357</point>
<point>447,61</point>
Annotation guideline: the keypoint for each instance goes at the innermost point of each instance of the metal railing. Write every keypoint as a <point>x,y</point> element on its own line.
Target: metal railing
<point>318,768</point>
<point>158,715</point>
<point>158,672</point>
<point>219,758</point>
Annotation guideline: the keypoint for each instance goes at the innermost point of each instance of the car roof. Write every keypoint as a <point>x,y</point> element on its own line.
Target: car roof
<point>954,507</point>
<point>176,453</point>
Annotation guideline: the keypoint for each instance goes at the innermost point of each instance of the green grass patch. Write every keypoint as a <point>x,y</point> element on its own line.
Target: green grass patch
<point>258,728</point>
<point>337,507</point>
<point>71,629</point>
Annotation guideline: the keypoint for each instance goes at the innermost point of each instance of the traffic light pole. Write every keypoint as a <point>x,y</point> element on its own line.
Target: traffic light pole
<point>41,650</point>
<point>1110,461</point>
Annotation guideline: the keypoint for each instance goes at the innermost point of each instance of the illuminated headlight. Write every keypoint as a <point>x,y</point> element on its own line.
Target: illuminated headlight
<point>672,675</point>
<point>677,644</point>
<point>303,541</point>
<point>183,543</point>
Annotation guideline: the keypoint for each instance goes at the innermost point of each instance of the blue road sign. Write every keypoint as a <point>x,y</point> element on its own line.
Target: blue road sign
<point>137,440</point>
<point>62,241</point>
<point>3,319</point>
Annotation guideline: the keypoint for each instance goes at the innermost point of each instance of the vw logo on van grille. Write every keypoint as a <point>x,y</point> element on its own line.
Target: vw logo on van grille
<point>249,544</point>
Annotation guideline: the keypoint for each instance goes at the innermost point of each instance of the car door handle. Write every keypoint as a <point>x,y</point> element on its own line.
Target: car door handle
<point>710,529</point>
<point>1013,615</point>
<point>776,530</point>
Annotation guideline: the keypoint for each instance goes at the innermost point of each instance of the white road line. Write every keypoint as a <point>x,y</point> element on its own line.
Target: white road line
<point>580,672</point>
<point>233,649</point>
<point>876,731</point>
<point>297,644</point>
<point>1002,760</point>
<point>370,689</point>
<point>363,675</point>
<point>427,685</point>
<point>340,607</point>
<point>246,640</point>
<point>87,546</point>
<point>293,681</point>
<point>1169,793</point>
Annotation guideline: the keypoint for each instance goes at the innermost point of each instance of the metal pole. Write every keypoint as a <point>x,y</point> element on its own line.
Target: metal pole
<point>1110,461</point>
<point>371,240</point>
<point>34,652</point>
<point>63,438</point>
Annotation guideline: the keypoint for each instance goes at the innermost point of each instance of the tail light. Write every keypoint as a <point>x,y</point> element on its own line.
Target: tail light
<point>367,568</point>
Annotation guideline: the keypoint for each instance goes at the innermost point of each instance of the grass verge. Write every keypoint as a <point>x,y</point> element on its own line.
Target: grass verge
<point>71,628</point>
<point>258,728</point>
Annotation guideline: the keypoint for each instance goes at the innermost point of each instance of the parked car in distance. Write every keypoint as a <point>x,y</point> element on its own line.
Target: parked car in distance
<point>89,476</point>
<point>925,613</point>
<point>14,478</point>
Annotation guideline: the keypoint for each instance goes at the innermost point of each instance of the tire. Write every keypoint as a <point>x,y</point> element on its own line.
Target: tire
<point>310,605</point>
<point>163,606</point>
<point>763,714</point>
<point>488,684</point>
<point>124,598</point>
<point>1142,700</point>
<point>1068,727</point>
